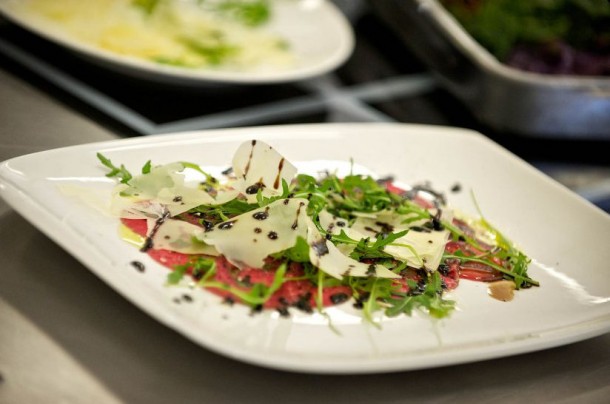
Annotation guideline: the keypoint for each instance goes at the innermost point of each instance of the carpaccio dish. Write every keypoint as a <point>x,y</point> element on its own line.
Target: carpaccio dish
<point>274,239</point>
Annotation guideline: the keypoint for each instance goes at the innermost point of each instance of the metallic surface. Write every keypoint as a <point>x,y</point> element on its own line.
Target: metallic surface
<point>506,99</point>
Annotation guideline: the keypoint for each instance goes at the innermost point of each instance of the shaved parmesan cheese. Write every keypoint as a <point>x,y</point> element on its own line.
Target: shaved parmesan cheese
<point>384,222</point>
<point>332,224</point>
<point>246,240</point>
<point>179,236</point>
<point>327,257</point>
<point>131,208</point>
<point>420,249</point>
<point>258,166</point>
<point>165,185</point>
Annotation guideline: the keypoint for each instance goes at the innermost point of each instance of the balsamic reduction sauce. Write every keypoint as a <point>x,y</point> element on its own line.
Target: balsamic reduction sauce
<point>320,247</point>
<point>249,159</point>
<point>148,243</point>
<point>253,189</point>
<point>260,215</point>
<point>227,225</point>
<point>138,266</point>
<point>280,167</point>
<point>338,298</point>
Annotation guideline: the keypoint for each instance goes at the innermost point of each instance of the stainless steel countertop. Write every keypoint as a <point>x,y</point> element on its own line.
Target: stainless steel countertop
<point>67,337</point>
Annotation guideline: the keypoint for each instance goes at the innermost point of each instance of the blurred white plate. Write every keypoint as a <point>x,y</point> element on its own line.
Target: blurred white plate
<point>319,35</point>
<point>566,236</point>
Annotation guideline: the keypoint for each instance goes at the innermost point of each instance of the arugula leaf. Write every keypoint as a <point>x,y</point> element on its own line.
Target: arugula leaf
<point>258,294</point>
<point>119,172</point>
<point>516,258</point>
<point>146,167</point>
<point>430,300</point>
<point>220,213</point>
<point>174,277</point>
<point>299,252</point>
<point>209,179</point>
<point>199,267</point>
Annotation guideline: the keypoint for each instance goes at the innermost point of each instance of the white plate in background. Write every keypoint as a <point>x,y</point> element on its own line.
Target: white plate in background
<point>319,35</point>
<point>566,236</point>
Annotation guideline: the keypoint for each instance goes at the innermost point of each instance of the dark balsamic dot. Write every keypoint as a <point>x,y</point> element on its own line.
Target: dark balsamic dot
<point>341,224</point>
<point>257,230</point>
<point>260,215</point>
<point>253,189</point>
<point>303,303</point>
<point>359,303</point>
<point>138,266</point>
<point>437,225</point>
<point>227,225</point>
<point>187,298</point>
<point>272,235</point>
<point>177,199</point>
<point>208,226</point>
<point>320,247</point>
<point>338,298</point>
<point>457,187</point>
<point>443,269</point>
<point>148,244</point>
<point>328,236</point>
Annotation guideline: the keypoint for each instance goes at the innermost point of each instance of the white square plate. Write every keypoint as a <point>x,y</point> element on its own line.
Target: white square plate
<point>566,237</point>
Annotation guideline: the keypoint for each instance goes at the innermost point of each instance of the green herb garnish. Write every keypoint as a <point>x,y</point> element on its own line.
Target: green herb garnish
<point>115,172</point>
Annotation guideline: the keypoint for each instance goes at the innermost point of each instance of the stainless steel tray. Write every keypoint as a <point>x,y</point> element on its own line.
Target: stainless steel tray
<point>504,98</point>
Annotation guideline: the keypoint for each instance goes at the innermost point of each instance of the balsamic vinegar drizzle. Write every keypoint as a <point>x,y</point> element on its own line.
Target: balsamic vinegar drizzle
<point>320,247</point>
<point>280,167</point>
<point>247,168</point>
<point>148,243</point>
<point>138,266</point>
